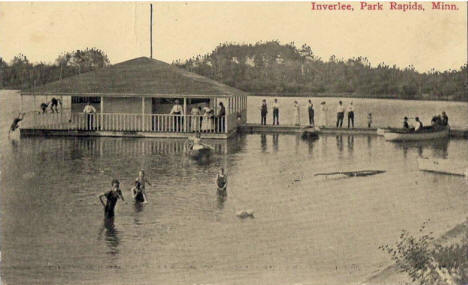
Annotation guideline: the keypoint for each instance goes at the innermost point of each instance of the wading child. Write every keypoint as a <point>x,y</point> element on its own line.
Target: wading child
<point>111,199</point>
<point>143,180</point>
<point>138,194</point>
<point>221,182</point>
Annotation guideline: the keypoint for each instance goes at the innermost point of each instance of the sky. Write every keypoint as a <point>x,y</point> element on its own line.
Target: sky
<point>425,39</point>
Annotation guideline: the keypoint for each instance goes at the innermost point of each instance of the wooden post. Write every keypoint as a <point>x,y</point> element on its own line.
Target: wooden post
<point>185,114</point>
<point>142,113</point>
<point>102,111</point>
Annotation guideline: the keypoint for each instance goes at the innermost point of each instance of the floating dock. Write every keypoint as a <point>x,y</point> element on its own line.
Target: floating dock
<point>293,129</point>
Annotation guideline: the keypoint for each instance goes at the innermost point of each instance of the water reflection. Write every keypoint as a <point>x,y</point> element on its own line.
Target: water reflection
<point>438,148</point>
<point>350,144</point>
<point>111,236</point>
<point>339,143</point>
<point>263,142</point>
<point>275,142</point>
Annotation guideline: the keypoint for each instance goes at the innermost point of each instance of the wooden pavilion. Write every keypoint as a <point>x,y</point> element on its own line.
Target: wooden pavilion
<point>134,98</point>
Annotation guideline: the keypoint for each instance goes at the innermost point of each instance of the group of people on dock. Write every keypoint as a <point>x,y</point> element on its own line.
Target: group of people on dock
<point>322,122</point>
<point>202,118</point>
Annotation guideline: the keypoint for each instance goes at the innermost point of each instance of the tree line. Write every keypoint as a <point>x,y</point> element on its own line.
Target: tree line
<point>271,68</point>
<point>20,73</point>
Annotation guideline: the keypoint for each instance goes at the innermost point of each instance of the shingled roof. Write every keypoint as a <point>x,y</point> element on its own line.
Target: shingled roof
<point>137,77</point>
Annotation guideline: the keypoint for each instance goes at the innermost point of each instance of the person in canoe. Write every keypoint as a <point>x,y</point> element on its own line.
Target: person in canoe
<point>444,119</point>
<point>221,182</point>
<point>137,193</point>
<point>112,197</point>
<point>15,123</point>
<point>142,180</point>
<point>405,123</point>
<point>419,125</point>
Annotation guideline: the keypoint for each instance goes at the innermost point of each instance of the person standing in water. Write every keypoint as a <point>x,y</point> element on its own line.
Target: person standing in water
<point>138,194</point>
<point>15,123</point>
<point>311,114</point>
<point>221,182</point>
<point>142,180</point>
<point>112,197</point>
<point>276,112</point>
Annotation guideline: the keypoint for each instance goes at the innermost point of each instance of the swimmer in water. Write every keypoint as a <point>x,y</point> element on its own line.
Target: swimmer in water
<point>138,194</point>
<point>142,180</point>
<point>221,182</point>
<point>112,197</point>
<point>15,123</point>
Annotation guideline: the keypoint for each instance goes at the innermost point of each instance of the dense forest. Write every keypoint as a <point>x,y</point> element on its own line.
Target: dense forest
<point>267,68</point>
<point>271,68</point>
<point>20,73</point>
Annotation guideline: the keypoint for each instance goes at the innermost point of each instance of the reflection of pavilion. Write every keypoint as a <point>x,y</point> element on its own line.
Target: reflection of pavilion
<point>134,99</point>
<point>114,146</point>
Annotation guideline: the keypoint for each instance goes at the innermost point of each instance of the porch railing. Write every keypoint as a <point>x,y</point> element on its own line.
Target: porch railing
<point>131,122</point>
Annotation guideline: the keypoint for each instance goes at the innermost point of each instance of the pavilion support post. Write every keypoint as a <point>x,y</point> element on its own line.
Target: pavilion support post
<point>142,113</point>
<point>102,112</point>
<point>185,114</point>
<point>228,114</point>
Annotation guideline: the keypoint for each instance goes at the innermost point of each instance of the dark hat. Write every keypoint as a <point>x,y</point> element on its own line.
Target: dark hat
<point>406,118</point>
<point>115,181</point>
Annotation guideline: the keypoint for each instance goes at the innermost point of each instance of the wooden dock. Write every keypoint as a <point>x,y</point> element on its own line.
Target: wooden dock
<point>292,129</point>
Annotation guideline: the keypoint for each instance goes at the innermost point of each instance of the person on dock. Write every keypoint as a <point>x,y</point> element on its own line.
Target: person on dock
<point>350,110</point>
<point>444,119</point>
<point>177,110</point>
<point>311,114</point>
<point>112,197</point>
<point>419,125</point>
<point>263,112</point>
<point>44,107</point>
<point>323,114</point>
<point>369,120</point>
<point>221,183</point>
<point>297,114</point>
<point>221,117</point>
<point>339,114</point>
<point>15,123</point>
<point>54,104</point>
<point>89,110</point>
<point>276,112</point>
<point>142,180</point>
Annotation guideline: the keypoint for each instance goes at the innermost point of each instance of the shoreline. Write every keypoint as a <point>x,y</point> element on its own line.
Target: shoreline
<point>392,275</point>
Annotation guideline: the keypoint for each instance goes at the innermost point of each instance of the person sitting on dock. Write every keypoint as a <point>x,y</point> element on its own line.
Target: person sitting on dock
<point>15,123</point>
<point>419,125</point>
<point>405,123</point>
<point>444,119</point>
<point>221,182</point>
<point>276,112</point>
<point>263,112</point>
<point>44,107</point>
<point>112,197</point>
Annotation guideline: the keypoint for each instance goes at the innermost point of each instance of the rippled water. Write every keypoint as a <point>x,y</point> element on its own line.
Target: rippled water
<point>306,229</point>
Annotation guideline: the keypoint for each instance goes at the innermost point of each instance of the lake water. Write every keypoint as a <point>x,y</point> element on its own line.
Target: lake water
<point>306,229</point>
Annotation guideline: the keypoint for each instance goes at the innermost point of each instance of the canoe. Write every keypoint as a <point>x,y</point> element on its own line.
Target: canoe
<point>445,166</point>
<point>357,173</point>
<point>381,131</point>
<point>201,153</point>
<point>427,133</point>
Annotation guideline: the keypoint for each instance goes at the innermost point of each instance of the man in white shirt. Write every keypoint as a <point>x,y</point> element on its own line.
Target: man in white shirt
<point>178,110</point>
<point>418,125</point>
<point>276,112</point>
<point>89,110</point>
<point>339,114</point>
<point>351,114</point>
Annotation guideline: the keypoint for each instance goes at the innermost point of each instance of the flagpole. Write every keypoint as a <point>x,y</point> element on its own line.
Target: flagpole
<point>151,30</point>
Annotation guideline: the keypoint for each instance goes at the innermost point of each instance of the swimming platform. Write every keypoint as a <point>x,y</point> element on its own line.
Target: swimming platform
<point>245,128</point>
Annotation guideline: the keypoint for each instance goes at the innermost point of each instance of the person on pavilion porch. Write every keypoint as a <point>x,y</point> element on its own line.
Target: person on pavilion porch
<point>195,120</point>
<point>89,110</point>
<point>221,117</point>
<point>177,110</point>
<point>207,122</point>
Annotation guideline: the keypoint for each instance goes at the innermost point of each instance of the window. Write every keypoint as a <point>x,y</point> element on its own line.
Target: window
<point>79,100</point>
